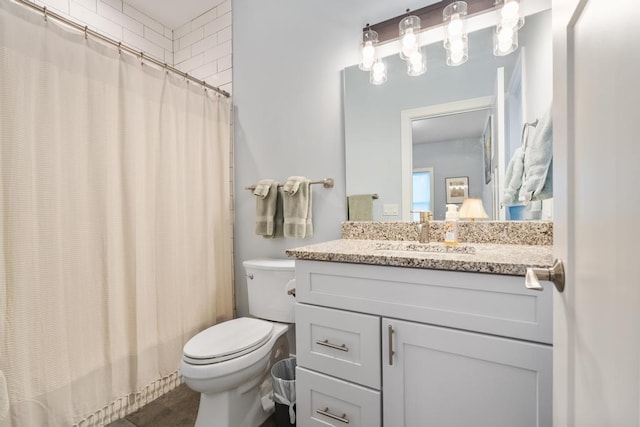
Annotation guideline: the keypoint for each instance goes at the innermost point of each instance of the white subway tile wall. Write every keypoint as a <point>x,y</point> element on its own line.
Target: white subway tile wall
<point>201,47</point>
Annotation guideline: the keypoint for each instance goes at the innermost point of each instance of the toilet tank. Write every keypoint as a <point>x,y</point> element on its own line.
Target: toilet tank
<point>267,283</point>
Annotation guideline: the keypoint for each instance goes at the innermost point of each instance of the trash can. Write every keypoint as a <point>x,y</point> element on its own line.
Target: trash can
<point>283,374</point>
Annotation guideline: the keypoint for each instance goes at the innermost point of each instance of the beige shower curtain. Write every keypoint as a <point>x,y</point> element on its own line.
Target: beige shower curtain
<point>115,224</point>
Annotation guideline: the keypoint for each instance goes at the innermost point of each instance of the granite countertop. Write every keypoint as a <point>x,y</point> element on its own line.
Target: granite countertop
<point>488,257</point>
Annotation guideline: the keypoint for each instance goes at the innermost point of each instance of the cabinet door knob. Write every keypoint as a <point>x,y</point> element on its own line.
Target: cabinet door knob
<point>326,413</point>
<point>554,274</point>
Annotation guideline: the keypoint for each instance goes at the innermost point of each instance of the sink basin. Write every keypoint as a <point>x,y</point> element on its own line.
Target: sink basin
<point>403,246</point>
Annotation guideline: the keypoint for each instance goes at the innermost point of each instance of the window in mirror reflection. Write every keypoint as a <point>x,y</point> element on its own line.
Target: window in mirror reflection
<point>422,191</point>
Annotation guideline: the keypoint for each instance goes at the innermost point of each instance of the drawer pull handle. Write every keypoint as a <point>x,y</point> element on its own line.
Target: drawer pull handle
<point>391,352</point>
<point>326,343</point>
<point>326,413</point>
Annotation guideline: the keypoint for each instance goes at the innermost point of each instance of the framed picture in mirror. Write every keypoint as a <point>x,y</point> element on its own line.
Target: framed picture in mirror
<point>488,150</point>
<point>456,188</point>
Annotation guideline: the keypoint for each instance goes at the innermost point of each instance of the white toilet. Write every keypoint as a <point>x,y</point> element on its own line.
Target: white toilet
<point>229,362</point>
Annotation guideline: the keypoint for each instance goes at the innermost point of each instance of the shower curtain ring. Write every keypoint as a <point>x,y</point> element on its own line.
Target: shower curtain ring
<point>119,48</point>
<point>86,29</point>
<point>186,76</point>
<point>45,13</point>
<point>166,69</point>
<point>141,58</point>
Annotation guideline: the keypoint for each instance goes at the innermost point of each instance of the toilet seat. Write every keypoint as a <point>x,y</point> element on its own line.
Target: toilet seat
<point>227,340</point>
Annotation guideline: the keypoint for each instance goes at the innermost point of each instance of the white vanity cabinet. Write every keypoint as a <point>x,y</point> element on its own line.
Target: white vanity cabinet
<point>399,346</point>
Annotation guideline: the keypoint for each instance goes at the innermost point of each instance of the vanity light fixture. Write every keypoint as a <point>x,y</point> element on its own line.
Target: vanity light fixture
<point>456,42</point>
<point>452,15</point>
<point>510,20</point>
<point>368,49</point>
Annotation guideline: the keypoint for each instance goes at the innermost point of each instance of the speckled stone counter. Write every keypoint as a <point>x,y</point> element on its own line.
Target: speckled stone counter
<point>503,232</point>
<point>488,257</point>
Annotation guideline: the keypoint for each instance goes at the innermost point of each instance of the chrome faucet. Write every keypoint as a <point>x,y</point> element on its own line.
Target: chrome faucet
<point>424,226</point>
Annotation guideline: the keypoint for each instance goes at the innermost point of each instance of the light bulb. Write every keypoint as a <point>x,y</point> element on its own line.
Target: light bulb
<point>408,28</point>
<point>456,57</point>
<point>504,45</point>
<point>410,50</point>
<point>455,25</point>
<point>409,43</point>
<point>416,69</point>
<point>368,51</point>
<point>417,63</point>
<point>378,73</point>
<point>456,45</point>
<point>368,56</point>
<point>510,11</point>
<point>409,37</point>
<point>416,58</point>
<point>505,35</point>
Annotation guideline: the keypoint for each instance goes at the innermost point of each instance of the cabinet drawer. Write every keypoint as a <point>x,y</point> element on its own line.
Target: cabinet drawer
<point>326,401</point>
<point>339,343</point>
<point>490,303</point>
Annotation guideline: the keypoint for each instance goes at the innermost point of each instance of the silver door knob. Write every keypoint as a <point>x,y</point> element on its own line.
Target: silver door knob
<point>554,274</point>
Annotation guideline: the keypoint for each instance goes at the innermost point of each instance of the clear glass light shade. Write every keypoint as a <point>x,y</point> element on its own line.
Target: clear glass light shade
<point>457,52</point>
<point>368,50</point>
<point>456,41</point>
<point>505,41</point>
<point>511,19</point>
<point>378,73</point>
<point>417,63</point>
<point>454,19</point>
<point>511,14</point>
<point>408,30</point>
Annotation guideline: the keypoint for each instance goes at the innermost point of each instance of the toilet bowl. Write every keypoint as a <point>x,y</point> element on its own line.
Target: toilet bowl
<point>229,363</point>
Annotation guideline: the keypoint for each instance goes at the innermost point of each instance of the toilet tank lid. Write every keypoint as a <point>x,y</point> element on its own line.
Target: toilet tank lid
<point>270,264</point>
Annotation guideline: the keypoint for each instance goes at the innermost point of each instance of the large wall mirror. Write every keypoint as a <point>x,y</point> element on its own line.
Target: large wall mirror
<point>416,133</point>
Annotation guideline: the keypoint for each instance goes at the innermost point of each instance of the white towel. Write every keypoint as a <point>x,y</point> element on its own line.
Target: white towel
<point>538,162</point>
<point>262,188</point>
<point>297,208</point>
<point>266,206</point>
<point>513,178</point>
<point>292,184</point>
<point>278,217</point>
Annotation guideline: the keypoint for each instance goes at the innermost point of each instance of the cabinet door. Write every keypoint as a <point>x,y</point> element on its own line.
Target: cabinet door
<point>444,377</point>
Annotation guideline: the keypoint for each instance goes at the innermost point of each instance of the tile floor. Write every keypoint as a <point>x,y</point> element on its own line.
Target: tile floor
<point>178,408</point>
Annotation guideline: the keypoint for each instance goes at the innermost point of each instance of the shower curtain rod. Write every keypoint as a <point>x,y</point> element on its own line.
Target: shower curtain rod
<point>46,13</point>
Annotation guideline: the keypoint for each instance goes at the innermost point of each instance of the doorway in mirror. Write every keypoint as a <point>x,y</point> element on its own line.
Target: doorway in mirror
<point>423,192</point>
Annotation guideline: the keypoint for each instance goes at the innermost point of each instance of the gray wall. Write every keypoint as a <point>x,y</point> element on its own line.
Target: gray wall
<point>450,159</point>
<point>288,57</point>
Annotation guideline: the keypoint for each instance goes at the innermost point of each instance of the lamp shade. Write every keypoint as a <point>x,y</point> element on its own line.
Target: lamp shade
<point>472,209</point>
<point>456,41</point>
